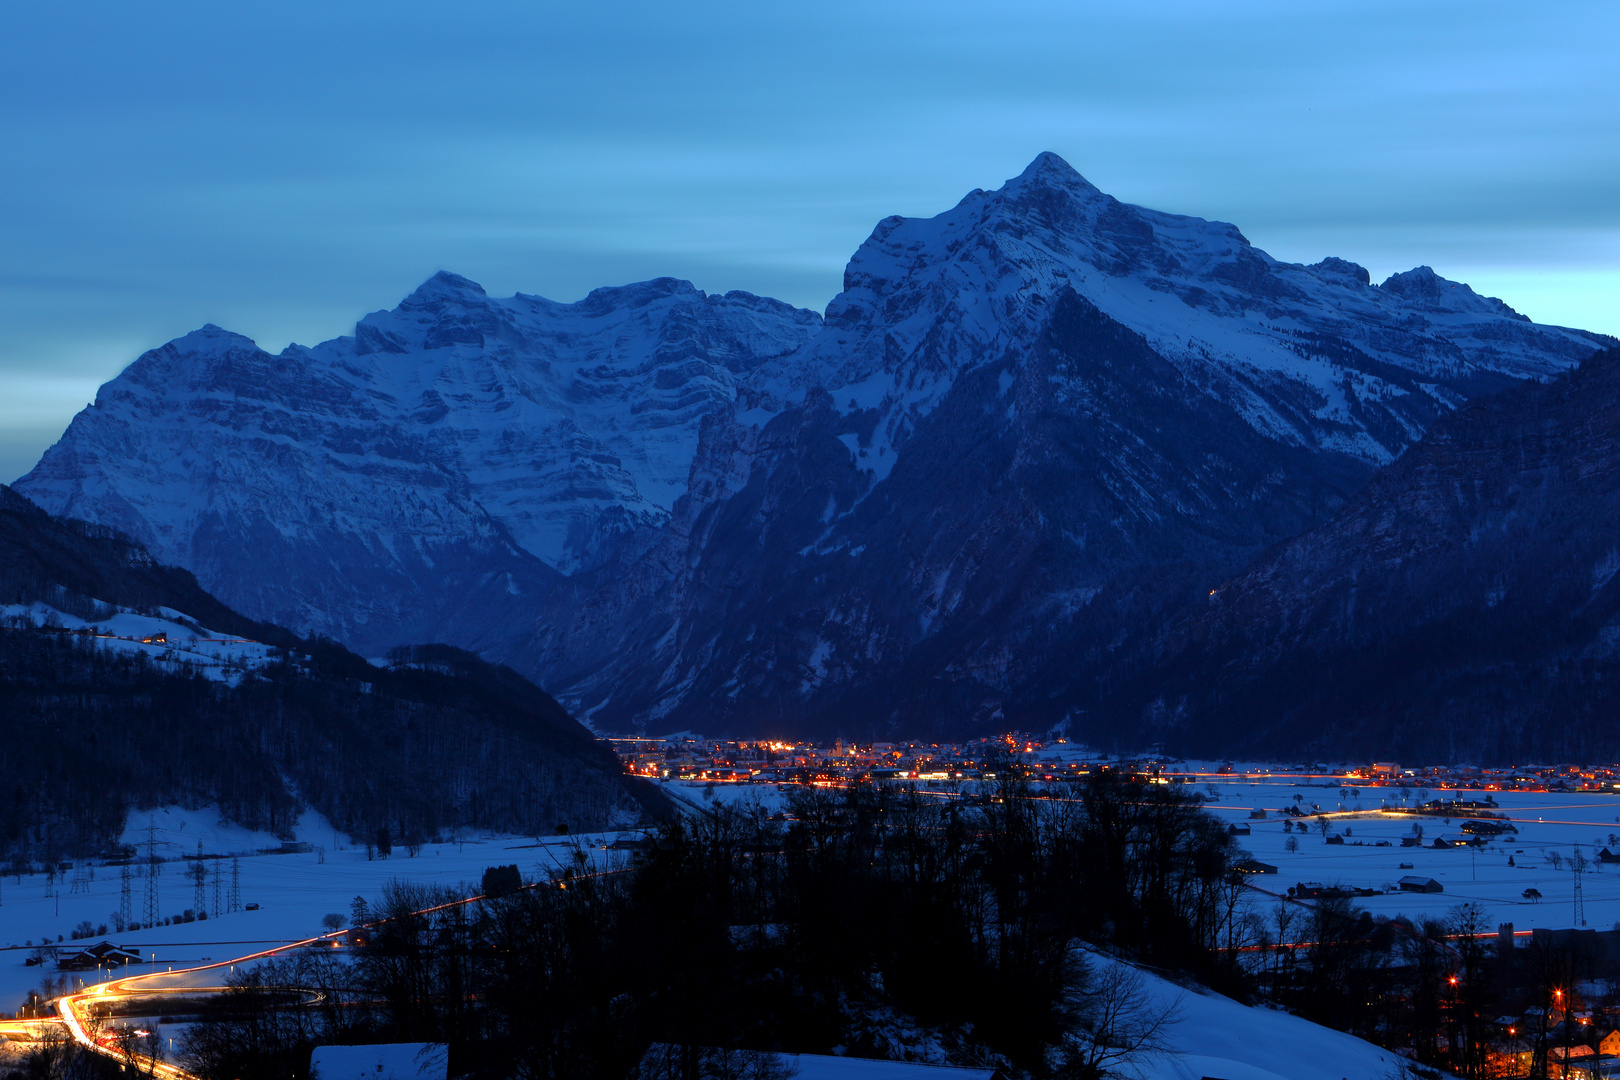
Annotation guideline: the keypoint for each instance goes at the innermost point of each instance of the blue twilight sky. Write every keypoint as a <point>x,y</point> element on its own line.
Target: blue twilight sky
<point>281,169</point>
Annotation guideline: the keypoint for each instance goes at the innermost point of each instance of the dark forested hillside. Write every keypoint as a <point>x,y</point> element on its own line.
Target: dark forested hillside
<point>1464,605</point>
<point>436,740</point>
<point>66,563</point>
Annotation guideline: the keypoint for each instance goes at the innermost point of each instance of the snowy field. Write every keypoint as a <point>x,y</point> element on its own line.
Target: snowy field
<point>293,891</point>
<point>1549,824</point>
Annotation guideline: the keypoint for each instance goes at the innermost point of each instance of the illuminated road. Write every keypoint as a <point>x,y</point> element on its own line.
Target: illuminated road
<point>76,1012</point>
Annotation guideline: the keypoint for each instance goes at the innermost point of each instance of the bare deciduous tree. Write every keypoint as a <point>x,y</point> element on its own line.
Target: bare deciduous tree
<point>1117,1021</point>
<point>138,1048</point>
<point>672,1061</point>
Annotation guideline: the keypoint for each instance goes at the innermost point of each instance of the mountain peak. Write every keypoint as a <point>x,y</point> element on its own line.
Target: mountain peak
<point>211,338</point>
<point>1049,170</point>
<point>445,284</point>
<point>1425,289</point>
<point>1343,270</point>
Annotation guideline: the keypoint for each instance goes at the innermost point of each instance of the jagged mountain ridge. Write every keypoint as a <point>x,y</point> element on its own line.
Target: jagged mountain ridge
<point>636,499</point>
<point>1463,606</point>
<point>1310,355</point>
<point>428,477</point>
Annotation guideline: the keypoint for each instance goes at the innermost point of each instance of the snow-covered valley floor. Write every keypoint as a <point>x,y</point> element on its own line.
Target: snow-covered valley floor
<point>1214,1036</point>
<point>1551,827</point>
<point>293,891</point>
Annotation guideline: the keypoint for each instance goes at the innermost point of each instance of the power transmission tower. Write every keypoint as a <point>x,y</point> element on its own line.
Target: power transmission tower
<point>1576,865</point>
<point>219,885</point>
<point>81,878</point>
<point>236,885</point>
<point>126,908</point>
<point>149,916</point>
<point>199,880</point>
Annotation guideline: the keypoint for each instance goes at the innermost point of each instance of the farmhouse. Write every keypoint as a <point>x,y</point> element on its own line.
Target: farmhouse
<point>1414,883</point>
<point>1488,828</point>
<point>1254,866</point>
<point>103,954</point>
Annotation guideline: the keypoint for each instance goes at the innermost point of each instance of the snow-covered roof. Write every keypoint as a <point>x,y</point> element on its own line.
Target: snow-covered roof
<point>381,1061</point>
<point>828,1067</point>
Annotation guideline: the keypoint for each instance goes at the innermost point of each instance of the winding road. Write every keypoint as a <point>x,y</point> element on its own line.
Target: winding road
<point>76,1013</point>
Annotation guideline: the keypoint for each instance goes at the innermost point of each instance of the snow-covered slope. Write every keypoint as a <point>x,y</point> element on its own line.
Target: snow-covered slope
<point>1025,428</point>
<point>171,640</point>
<point>1214,1036</point>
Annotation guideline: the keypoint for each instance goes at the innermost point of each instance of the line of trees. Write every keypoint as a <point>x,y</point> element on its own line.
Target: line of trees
<point>1439,987</point>
<point>865,919</point>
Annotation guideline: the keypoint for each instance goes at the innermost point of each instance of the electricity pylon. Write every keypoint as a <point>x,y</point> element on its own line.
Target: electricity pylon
<point>199,881</point>
<point>149,916</point>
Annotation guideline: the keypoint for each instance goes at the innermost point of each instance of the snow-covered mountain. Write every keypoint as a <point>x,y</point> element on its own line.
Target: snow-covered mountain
<point>1026,429</point>
<point>427,477</point>
<point>1309,355</point>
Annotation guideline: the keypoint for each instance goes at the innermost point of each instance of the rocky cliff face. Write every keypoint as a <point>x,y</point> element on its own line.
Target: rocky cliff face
<point>1046,503</point>
<point>1463,605</point>
<point>1026,432</point>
